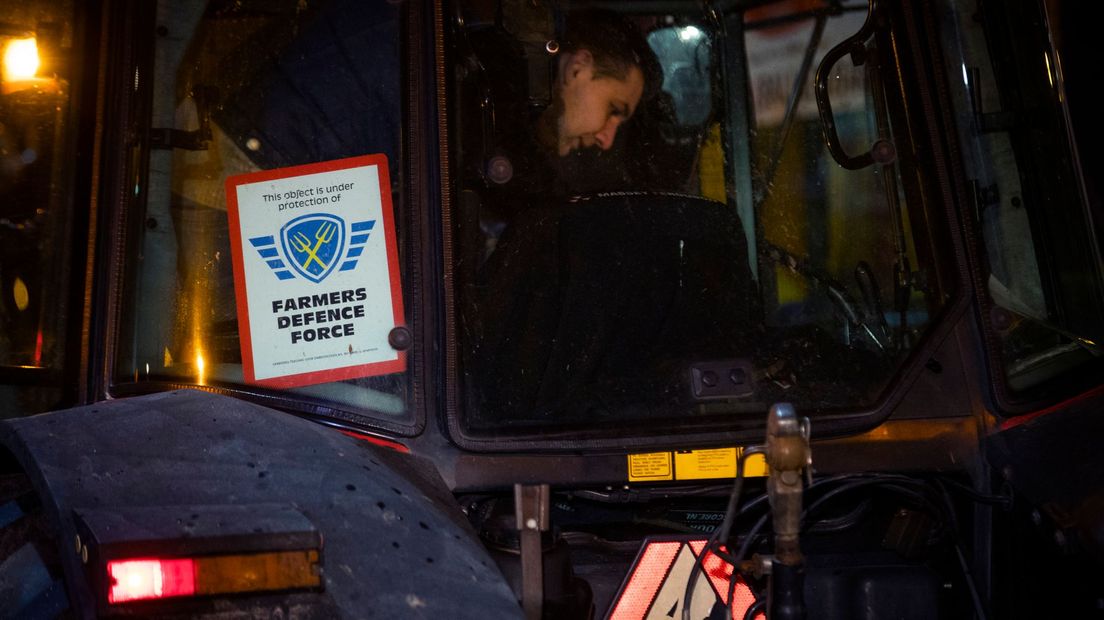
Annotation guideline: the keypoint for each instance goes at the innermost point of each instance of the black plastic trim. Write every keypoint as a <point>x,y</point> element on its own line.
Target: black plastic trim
<point>295,404</point>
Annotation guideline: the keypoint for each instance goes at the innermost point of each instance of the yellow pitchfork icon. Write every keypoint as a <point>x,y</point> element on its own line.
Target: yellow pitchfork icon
<point>301,243</point>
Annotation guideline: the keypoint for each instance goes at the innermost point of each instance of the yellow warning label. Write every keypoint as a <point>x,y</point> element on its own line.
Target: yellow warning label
<point>693,465</point>
<point>702,464</point>
<point>650,466</point>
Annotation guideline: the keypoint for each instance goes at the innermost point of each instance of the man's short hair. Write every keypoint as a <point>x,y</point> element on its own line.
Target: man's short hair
<point>616,44</point>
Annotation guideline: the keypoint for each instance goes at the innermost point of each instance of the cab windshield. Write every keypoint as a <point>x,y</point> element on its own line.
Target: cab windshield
<point>696,260</point>
<point>39,84</point>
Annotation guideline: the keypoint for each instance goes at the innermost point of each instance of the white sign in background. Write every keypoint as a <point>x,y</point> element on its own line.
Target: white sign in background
<point>289,236</point>
<point>774,59</point>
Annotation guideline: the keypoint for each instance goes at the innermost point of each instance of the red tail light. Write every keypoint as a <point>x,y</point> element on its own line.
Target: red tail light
<point>230,550</point>
<point>135,580</point>
<point>140,579</point>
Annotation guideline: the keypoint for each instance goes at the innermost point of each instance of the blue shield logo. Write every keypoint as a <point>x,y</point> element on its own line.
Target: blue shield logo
<point>314,244</point>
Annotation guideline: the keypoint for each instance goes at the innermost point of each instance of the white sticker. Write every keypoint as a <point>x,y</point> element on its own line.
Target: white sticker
<point>316,272</point>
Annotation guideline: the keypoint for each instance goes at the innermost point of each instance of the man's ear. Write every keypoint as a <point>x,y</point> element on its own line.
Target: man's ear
<point>573,64</point>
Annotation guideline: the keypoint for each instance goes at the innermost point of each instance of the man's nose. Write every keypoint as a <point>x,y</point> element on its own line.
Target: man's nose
<point>604,138</point>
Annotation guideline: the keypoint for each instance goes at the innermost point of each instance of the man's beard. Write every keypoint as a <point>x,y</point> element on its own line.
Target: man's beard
<point>590,170</point>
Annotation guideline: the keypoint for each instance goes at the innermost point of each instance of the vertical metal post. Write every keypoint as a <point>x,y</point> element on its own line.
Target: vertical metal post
<point>738,121</point>
<point>532,513</point>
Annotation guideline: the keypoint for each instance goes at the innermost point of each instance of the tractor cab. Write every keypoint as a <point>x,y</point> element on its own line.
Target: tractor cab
<point>554,308</point>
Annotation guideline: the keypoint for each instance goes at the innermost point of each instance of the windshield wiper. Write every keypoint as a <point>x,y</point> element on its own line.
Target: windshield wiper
<point>836,292</point>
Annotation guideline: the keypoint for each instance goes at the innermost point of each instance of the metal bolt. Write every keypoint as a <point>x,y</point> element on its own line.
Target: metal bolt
<point>884,152</point>
<point>709,378</point>
<point>400,338</point>
<point>84,554</point>
<point>500,170</point>
<point>531,523</point>
<point>1000,319</point>
<point>78,547</point>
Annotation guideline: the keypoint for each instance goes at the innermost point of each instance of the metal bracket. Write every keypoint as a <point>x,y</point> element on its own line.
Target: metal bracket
<point>987,122</point>
<point>197,140</point>
<point>531,509</point>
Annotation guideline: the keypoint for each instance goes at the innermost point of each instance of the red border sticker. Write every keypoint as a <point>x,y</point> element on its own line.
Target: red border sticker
<point>316,272</point>
<point>657,580</point>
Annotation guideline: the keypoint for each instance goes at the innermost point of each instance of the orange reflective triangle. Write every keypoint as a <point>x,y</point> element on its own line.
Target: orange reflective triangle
<point>656,585</point>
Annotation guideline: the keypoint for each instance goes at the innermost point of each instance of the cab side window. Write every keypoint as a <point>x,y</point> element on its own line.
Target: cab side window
<point>37,221</point>
<point>238,88</point>
<point>1027,160</point>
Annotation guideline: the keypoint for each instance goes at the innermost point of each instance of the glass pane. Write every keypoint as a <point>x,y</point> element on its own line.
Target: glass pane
<point>698,256</point>
<point>838,266</point>
<point>1044,271</point>
<point>36,138</point>
<point>684,53</point>
<point>250,87</point>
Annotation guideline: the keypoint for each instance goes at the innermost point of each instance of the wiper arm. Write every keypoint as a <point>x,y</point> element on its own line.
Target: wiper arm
<point>837,293</point>
<point>872,296</point>
<point>795,97</point>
